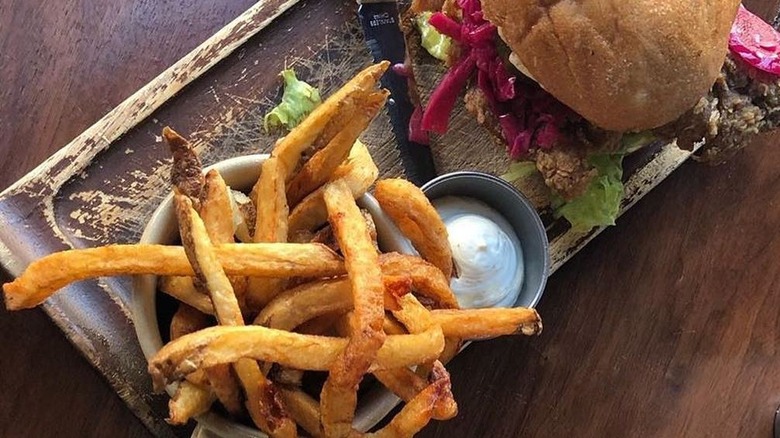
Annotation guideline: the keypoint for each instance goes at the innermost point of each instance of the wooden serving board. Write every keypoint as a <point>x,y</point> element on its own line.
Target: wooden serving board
<point>102,187</point>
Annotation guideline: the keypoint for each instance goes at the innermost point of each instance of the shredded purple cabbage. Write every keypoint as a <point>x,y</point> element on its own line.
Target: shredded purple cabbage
<point>527,115</point>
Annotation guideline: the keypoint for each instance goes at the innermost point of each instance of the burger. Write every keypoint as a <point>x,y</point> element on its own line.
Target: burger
<point>569,88</point>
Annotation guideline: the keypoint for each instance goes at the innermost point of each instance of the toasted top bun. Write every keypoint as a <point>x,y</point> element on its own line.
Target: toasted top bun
<point>625,65</point>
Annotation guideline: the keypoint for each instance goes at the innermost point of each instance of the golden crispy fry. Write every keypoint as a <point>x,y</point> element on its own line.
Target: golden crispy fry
<point>488,323</point>
<point>270,226</point>
<point>338,399</point>
<point>190,400</point>
<point>224,385</point>
<point>406,384</point>
<point>427,280</point>
<point>290,148</point>
<point>216,209</point>
<point>391,326</point>
<point>262,402</point>
<point>187,320</point>
<point>418,411</point>
<point>223,344</point>
<point>203,259</point>
<point>417,318</point>
<point>414,215</point>
<point>413,315</point>
<point>304,409</point>
<point>318,170</point>
<point>310,300</point>
<point>359,172</point>
<point>187,171</point>
<point>183,289</point>
<point>46,275</point>
<point>306,302</point>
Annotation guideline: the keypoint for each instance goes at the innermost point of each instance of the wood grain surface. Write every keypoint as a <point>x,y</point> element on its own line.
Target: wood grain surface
<point>666,325</point>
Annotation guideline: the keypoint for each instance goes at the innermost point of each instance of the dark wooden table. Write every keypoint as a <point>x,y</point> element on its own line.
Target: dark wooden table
<point>666,325</point>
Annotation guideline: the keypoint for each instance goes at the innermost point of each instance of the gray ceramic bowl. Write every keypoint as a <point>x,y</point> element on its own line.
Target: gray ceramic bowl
<point>240,173</point>
<point>515,208</point>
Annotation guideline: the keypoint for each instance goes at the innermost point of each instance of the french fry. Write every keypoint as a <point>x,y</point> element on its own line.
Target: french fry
<point>391,326</point>
<point>418,412</point>
<point>187,171</point>
<point>310,300</point>
<point>323,163</point>
<point>224,385</point>
<point>290,148</point>
<point>263,403</point>
<point>338,398</point>
<point>359,172</point>
<point>183,289</point>
<point>216,209</point>
<point>188,401</point>
<point>225,344</point>
<point>412,212</point>
<point>475,324</point>
<point>270,226</point>
<point>188,320</point>
<point>427,280</point>
<point>304,409</point>
<point>46,275</point>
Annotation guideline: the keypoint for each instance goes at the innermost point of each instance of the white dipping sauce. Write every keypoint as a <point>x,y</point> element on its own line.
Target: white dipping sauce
<point>486,251</point>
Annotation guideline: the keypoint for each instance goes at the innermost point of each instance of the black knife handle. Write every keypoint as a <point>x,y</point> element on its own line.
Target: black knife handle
<point>386,42</point>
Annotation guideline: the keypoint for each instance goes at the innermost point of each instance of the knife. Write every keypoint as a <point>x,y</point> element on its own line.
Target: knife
<point>380,22</point>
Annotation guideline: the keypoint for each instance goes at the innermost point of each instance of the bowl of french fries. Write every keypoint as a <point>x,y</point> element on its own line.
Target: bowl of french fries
<point>274,296</point>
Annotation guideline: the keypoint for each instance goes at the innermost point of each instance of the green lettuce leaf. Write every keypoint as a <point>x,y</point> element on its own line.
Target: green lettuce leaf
<point>298,100</point>
<point>435,43</point>
<point>518,170</point>
<point>600,204</point>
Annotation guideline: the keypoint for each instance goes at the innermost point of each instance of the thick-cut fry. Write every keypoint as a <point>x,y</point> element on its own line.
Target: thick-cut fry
<point>270,226</point>
<point>216,209</point>
<point>427,280</point>
<point>223,344</point>
<point>46,275</point>
<point>203,259</point>
<point>183,289</point>
<point>318,170</point>
<point>308,301</point>
<point>338,399</point>
<point>187,171</point>
<point>188,401</point>
<point>290,148</point>
<point>262,402</point>
<point>418,411</point>
<point>406,384</point>
<point>304,409</point>
<point>391,326</point>
<point>187,320</point>
<point>359,172</point>
<point>225,387</point>
<point>414,215</point>
<point>476,324</point>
